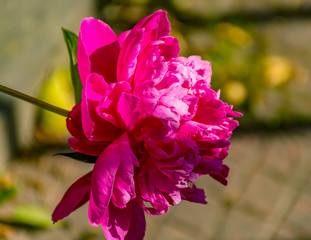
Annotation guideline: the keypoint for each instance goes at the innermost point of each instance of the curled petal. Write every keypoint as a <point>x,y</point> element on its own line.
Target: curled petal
<point>222,175</point>
<point>74,124</point>
<point>207,166</point>
<point>194,194</point>
<point>76,196</point>
<point>212,143</point>
<point>113,169</point>
<point>87,147</point>
<point>156,24</point>
<point>79,142</point>
<point>127,223</point>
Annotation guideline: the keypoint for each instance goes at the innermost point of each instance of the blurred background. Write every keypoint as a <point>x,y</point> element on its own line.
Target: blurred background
<point>261,60</point>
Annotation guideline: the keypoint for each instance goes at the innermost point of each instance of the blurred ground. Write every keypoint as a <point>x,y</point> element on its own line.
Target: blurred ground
<point>268,196</point>
<point>261,59</point>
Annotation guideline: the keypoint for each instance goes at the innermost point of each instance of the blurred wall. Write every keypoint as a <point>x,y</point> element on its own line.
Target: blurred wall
<point>31,45</point>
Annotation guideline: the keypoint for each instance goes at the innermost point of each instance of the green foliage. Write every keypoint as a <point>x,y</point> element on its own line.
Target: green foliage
<point>71,40</point>
<point>7,194</point>
<point>31,216</point>
<point>7,189</point>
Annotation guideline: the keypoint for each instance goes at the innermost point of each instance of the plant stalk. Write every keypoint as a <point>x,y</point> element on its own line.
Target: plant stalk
<point>34,101</point>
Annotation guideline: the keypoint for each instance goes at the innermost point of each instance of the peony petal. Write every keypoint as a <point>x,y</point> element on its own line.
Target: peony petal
<point>127,223</point>
<point>74,124</point>
<point>128,55</point>
<point>122,37</point>
<point>207,166</point>
<point>194,194</point>
<point>126,108</point>
<point>160,180</point>
<point>156,23</point>
<point>104,61</point>
<point>105,174</point>
<point>150,62</point>
<point>84,64</point>
<point>222,175</point>
<point>107,108</point>
<point>117,222</point>
<point>150,127</point>
<point>88,148</point>
<point>202,68</point>
<point>96,87</point>
<point>94,35</point>
<point>76,195</point>
<point>103,178</point>
<point>124,185</point>
<point>212,143</point>
<point>94,127</point>
<point>79,141</point>
<point>210,111</point>
<point>138,223</point>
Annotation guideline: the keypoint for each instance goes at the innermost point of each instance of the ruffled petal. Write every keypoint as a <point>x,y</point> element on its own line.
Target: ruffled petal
<point>107,109</point>
<point>126,109</point>
<point>94,127</point>
<point>76,195</point>
<point>148,66</point>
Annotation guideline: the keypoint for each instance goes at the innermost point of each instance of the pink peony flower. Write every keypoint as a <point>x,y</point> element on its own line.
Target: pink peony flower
<point>153,121</point>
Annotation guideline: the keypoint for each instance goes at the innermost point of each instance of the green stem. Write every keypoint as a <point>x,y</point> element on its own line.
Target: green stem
<point>34,101</point>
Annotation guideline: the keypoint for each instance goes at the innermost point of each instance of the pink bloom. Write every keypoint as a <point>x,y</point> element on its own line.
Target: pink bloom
<point>153,121</point>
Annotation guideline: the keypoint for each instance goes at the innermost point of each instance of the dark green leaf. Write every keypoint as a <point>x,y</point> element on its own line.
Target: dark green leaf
<point>71,40</point>
<point>79,156</point>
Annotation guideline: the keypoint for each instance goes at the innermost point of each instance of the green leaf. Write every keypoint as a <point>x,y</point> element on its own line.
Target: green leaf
<point>79,156</point>
<point>31,216</point>
<point>71,40</point>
